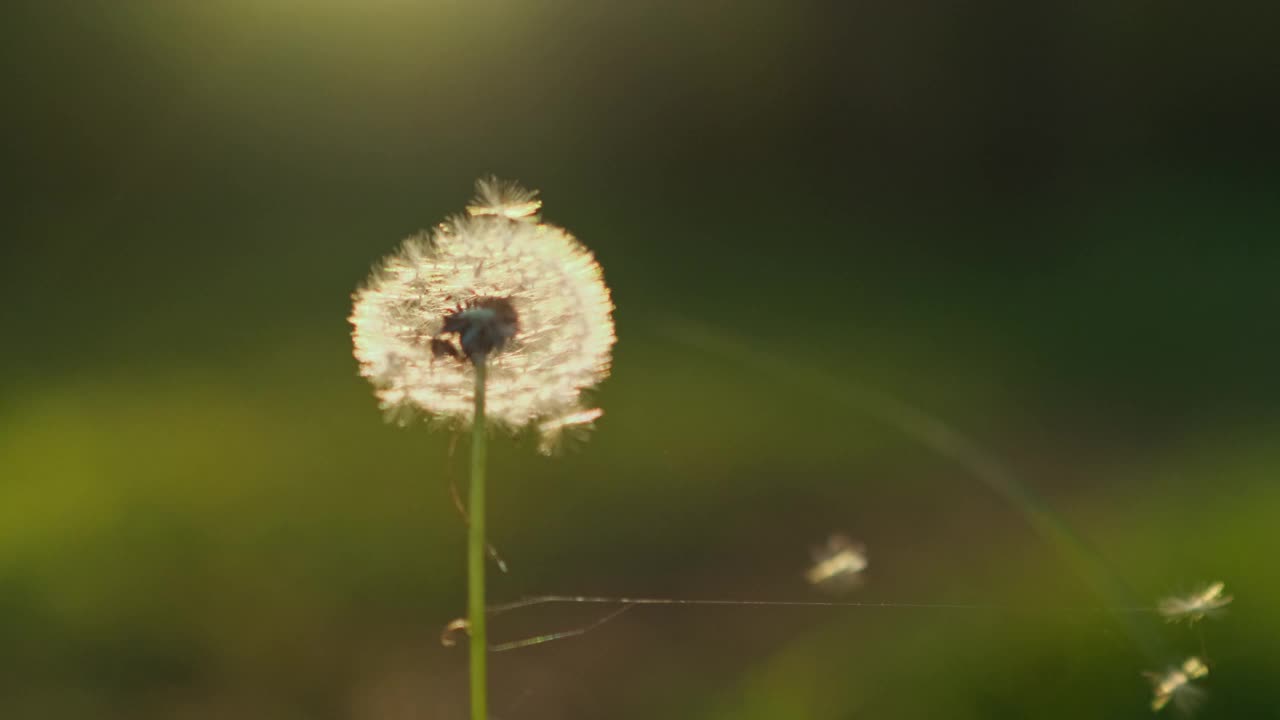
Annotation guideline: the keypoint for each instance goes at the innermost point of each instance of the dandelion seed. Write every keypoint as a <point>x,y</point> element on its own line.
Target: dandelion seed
<point>552,431</point>
<point>496,284</point>
<point>505,198</point>
<point>449,636</point>
<point>838,565</point>
<point>1208,602</point>
<point>1174,685</point>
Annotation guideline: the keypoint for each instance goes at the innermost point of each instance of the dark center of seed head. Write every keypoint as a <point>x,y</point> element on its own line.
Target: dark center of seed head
<point>483,326</point>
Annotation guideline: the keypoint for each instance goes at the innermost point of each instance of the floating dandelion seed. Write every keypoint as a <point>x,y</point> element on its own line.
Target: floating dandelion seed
<point>838,565</point>
<point>496,283</point>
<point>1175,685</point>
<point>1208,602</point>
<point>449,636</point>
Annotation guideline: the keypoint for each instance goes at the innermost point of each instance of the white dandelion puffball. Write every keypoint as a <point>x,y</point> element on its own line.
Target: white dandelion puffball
<point>520,295</point>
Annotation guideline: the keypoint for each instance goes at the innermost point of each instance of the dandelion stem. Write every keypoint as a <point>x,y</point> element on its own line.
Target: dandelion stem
<point>476,552</point>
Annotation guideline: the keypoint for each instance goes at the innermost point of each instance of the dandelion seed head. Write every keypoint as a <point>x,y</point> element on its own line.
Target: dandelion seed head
<point>1174,685</point>
<point>1207,602</point>
<point>524,294</point>
<point>483,325</point>
<point>838,565</point>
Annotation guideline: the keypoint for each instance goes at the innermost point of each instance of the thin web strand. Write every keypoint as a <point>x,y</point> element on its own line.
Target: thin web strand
<point>627,603</point>
<point>633,601</point>
<point>562,635</point>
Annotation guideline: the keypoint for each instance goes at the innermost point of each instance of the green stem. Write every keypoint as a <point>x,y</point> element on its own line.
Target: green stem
<point>475,554</point>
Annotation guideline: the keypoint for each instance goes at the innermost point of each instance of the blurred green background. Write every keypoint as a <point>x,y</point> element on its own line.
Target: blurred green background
<point>1052,225</point>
